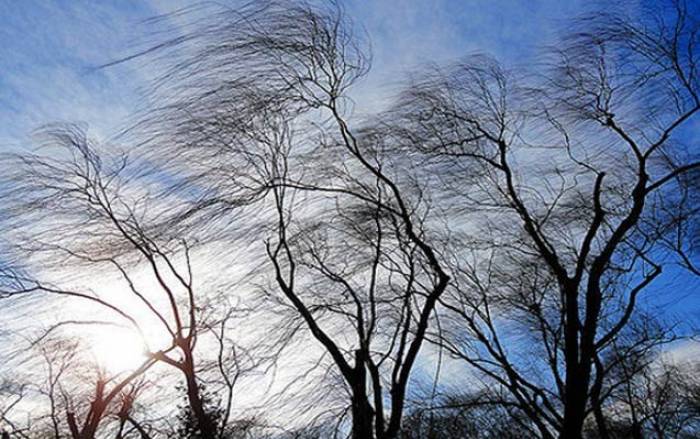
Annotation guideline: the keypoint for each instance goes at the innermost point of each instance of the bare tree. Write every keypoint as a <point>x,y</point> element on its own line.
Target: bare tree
<point>11,394</point>
<point>84,214</point>
<point>511,216</point>
<point>106,396</point>
<point>569,167</point>
<point>62,393</point>
<point>578,163</point>
<point>456,414</point>
<point>260,116</point>
<point>654,399</point>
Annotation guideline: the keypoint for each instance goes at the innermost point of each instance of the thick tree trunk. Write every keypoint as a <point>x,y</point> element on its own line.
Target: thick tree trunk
<point>573,418</point>
<point>576,388</point>
<point>362,417</point>
<point>206,427</point>
<point>637,431</point>
<point>89,429</point>
<point>579,354</point>
<point>596,402</point>
<point>362,411</point>
<point>397,405</point>
<point>600,422</point>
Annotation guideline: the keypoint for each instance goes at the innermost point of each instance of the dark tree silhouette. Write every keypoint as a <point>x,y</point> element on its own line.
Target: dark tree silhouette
<point>91,216</point>
<point>575,168</point>
<point>512,217</point>
<point>262,118</point>
<point>571,168</point>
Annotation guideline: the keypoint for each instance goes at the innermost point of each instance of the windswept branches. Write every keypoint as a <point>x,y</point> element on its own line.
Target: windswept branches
<point>367,225</point>
<point>573,162</point>
<point>245,73</point>
<point>85,210</point>
<point>514,218</point>
<point>262,117</point>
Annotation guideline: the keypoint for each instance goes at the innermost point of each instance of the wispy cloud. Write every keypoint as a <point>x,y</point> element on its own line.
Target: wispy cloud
<point>48,59</point>
<point>50,50</point>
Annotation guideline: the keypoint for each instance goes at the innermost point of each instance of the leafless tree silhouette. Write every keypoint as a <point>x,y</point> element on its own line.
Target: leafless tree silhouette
<point>84,213</point>
<point>263,118</point>
<point>572,170</point>
<point>653,400</point>
<point>512,217</point>
<point>578,168</point>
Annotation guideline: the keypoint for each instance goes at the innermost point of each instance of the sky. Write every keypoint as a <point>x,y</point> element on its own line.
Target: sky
<point>51,50</point>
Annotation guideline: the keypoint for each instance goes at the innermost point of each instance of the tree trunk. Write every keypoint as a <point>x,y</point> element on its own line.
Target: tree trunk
<point>578,356</point>
<point>574,388</point>
<point>596,389</point>
<point>600,422</point>
<point>574,404</point>
<point>206,427</point>
<point>362,412</point>
<point>637,432</point>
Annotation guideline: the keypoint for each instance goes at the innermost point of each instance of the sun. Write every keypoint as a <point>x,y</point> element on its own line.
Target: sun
<point>118,350</point>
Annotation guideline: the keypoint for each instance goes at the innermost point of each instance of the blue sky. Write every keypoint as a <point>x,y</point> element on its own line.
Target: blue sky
<point>47,55</point>
<point>50,49</point>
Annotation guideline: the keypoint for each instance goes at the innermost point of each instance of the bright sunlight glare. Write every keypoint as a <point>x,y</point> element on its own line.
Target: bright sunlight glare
<point>118,350</point>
